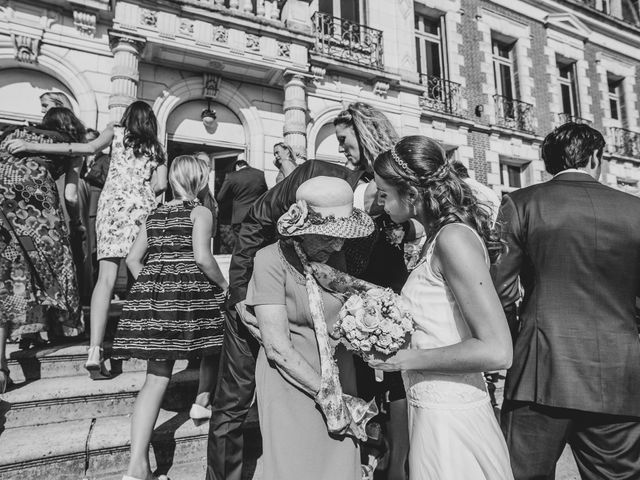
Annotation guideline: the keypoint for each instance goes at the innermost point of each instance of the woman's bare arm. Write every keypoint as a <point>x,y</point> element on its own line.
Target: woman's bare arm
<point>459,258</point>
<point>89,148</point>
<point>276,339</point>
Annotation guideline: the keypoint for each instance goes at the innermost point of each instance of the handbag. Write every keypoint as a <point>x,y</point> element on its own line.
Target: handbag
<point>96,175</point>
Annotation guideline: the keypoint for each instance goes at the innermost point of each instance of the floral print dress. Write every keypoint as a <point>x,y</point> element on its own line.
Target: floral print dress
<point>38,287</point>
<point>126,199</point>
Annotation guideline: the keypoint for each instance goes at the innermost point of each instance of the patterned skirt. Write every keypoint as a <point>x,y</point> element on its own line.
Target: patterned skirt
<point>172,312</point>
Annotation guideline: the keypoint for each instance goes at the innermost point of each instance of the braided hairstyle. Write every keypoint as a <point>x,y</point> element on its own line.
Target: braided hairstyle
<point>419,162</point>
<point>373,130</point>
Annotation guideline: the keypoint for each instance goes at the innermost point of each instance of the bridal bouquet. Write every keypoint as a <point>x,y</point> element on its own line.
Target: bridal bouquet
<point>373,323</point>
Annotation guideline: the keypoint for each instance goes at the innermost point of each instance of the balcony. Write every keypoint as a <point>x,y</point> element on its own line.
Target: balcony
<point>441,95</point>
<point>513,114</point>
<point>569,118</point>
<point>623,142</point>
<point>347,41</point>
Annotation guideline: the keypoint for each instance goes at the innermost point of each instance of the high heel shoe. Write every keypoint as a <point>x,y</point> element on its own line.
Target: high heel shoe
<point>95,365</point>
<point>198,412</point>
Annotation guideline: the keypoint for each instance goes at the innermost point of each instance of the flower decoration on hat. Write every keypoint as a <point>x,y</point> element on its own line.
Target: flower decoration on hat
<point>294,219</point>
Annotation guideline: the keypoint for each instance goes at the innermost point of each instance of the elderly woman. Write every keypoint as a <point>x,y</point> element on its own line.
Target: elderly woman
<point>307,423</point>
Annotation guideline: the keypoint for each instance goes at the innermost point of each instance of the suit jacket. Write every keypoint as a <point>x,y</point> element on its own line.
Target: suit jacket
<point>242,188</point>
<point>574,243</point>
<point>258,228</point>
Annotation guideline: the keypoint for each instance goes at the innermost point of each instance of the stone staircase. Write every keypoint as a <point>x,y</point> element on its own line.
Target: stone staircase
<point>57,424</point>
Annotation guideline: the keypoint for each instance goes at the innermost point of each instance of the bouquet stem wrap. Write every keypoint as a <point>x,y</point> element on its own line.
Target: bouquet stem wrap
<point>344,414</point>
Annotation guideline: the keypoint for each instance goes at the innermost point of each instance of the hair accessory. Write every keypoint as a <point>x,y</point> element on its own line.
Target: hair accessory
<point>401,162</point>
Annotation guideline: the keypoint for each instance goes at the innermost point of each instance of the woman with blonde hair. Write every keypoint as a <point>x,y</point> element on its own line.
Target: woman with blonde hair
<point>49,100</point>
<point>173,310</point>
<point>284,160</point>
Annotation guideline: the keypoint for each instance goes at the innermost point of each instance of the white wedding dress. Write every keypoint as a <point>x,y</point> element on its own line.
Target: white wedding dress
<point>454,434</point>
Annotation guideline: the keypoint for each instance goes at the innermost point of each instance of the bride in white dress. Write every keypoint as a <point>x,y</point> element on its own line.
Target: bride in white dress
<point>461,329</point>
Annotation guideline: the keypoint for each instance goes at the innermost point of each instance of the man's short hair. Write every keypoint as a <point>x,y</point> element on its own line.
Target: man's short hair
<point>571,146</point>
<point>240,163</point>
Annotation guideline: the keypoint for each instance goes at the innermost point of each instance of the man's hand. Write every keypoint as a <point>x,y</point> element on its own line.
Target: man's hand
<point>249,320</point>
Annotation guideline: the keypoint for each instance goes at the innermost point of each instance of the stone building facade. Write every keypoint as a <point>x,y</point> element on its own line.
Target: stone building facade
<point>486,78</point>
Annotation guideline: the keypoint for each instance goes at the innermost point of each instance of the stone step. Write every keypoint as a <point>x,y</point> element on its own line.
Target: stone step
<point>52,400</point>
<point>98,449</point>
<point>64,360</point>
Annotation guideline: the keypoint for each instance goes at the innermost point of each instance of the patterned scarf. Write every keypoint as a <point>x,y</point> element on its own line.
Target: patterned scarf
<point>344,414</point>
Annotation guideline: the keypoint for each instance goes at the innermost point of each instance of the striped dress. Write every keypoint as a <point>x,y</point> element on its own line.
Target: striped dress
<point>172,310</point>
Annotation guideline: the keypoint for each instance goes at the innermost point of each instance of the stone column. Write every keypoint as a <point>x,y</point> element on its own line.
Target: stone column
<point>295,112</point>
<point>124,75</point>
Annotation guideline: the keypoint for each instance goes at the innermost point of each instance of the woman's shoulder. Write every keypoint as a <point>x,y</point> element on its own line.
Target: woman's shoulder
<point>270,252</point>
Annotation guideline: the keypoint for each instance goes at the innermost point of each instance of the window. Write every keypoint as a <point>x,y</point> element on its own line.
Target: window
<point>614,85</point>
<point>605,6</point>
<point>345,9</point>
<point>503,68</point>
<point>429,46</point>
<point>510,175</point>
<point>568,89</point>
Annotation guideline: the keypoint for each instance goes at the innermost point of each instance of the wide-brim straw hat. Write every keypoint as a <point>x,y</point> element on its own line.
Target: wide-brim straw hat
<point>324,206</point>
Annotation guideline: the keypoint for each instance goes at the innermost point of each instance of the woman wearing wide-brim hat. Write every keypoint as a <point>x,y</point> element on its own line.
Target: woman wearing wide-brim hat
<point>308,422</point>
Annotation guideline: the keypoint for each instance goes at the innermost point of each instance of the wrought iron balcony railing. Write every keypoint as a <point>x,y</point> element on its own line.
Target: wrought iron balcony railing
<point>347,41</point>
<point>623,142</point>
<point>569,118</point>
<point>511,113</point>
<point>441,95</point>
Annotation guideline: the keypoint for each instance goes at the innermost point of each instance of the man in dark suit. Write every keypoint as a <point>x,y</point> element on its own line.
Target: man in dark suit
<point>241,188</point>
<point>236,382</point>
<point>574,246</point>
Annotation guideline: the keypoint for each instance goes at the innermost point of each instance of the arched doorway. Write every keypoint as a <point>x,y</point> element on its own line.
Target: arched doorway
<point>186,135</point>
<point>20,91</point>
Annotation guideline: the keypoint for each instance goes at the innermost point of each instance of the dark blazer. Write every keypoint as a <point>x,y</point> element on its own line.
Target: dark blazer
<point>242,188</point>
<point>258,228</point>
<point>575,245</point>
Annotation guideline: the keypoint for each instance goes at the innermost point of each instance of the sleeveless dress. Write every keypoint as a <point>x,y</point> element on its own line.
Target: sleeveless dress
<point>172,310</point>
<point>37,275</point>
<point>126,199</point>
<point>453,431</point>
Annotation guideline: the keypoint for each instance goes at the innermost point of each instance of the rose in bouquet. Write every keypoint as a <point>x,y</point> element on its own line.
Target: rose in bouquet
<point>373,323</point>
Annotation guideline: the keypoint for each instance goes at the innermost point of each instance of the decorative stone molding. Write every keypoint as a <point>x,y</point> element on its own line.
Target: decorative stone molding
<point>381,88</point>
<point>284,49</point>
<point>27,48</point>
<point>85,23</point>
<point>318,72</point>
<point>210,85</point>
<point>220,34</point>
<point>253,42</point>
<point>186,27</point>
<point>148,17</point>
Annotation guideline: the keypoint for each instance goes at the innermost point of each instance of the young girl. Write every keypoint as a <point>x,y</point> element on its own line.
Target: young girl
<point>136,175</point>
<point>173,308</point>
<point>461,330</point>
